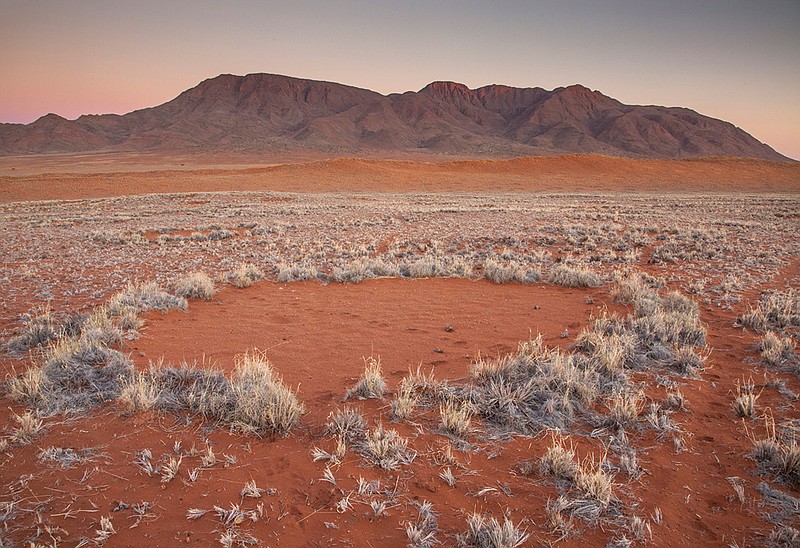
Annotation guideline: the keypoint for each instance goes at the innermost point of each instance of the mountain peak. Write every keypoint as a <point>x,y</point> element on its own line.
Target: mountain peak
<point>445,88</point>
<point>264,112</point>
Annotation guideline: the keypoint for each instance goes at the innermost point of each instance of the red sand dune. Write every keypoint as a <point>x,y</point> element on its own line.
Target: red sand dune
<point>579,173</point>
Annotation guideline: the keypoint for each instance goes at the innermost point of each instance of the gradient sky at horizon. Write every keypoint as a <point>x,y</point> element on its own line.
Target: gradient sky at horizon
<point>731,59</point>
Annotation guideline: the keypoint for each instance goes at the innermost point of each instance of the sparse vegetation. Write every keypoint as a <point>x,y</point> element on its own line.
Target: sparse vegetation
<point>487,532</point>
<point>596,389</point>
<point>245,275</point>
<point>197,285</point>
<point>371,384</point>
<point>386,448</point>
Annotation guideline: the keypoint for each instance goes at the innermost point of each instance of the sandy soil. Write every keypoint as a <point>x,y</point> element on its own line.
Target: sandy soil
<point>726,250</point>
<point>45,178</point>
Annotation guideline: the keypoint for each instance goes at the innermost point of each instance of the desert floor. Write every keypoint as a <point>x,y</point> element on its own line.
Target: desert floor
<point>535,316</point>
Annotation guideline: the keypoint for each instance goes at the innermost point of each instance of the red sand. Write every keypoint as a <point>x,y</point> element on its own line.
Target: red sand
<point>316,336</point>
<point>42,180</point>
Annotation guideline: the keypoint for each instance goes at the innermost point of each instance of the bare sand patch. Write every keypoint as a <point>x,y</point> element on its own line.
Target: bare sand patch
<point>578,173</point>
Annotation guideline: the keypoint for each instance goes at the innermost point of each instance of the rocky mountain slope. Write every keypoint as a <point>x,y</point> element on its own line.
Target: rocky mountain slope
<point>272,113</point>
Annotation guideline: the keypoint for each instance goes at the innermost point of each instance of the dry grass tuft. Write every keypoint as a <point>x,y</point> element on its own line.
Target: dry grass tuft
<point>574,276</point>
<point>138,394</point>
<point>488,532</point>
<point>776,349</point>
<point>386,448</point>
<point>197,285</point>
<point>745,402</point>
<point>347,424</point>
<point>371,384</point>
<point>261,403</point>
<point>146,296</point>
<point>456,418</point>
<point>559,461</point>
<point>29,427</point>
<point>245,275</point>
<point>406,400</point>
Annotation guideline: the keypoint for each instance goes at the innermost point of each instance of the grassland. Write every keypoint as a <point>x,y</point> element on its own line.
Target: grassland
<point>482,368</point>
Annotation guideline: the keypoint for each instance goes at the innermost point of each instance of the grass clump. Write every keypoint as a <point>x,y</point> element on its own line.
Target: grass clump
<point>744,405</point>
<point>386,448</point>
<point>40,327</point>
<point>372,383</point>
<point>779,457</point>
<point>624,407</point>
<point>296,272</point>
<point>775,310</point>
<point>29,427</point>
<point>574,276</point>
<point>487,532</point>
<point>406,399</point>
<point>262,403</point>
<point>535,388</point>
<point>422,532</point>
<point>197,285</point>
<point>366,268</point>
<point>777,350</point>
<point>456,418</point>
<point>138,394</point>
<point>146,296</point>
<point>558,462</point>
<point>500,274</point>
<point>245,275</point>
<point>254,400</point>
<point>75,374</point>
<point>347,424</point>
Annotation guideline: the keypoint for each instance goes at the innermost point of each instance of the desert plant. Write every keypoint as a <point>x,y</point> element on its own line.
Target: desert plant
<point>66,457</point>
<point>146,296</point>
<point>371,384</point>
<point>170,469</point>
<point>197,285</point>
<point>245,275</point>
<point>448,477</point>
<point>594,482</point>
<point>261,402</point>
<point>40,327</point>
<point>660,420</point>
<point>745,402</point>
<point>488,532</point>
<point>775,310</point>
<point>138,394</point>
<point>251,490</point>
<point>676,400</point>
<point>456,418</point>
<point>405,401</point>
<point>105,531</point>
<point>296,272</point>
<point>28,428</point>
<point>347,424</point>
<point>386,448</point>
<point>499,274</point>
<point>776,349</point>
<point>624,407</point>
<point>570,276</point>
<point>559,461</point>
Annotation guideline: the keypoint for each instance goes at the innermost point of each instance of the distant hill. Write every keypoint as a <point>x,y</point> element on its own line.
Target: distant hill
<point>272,113</point>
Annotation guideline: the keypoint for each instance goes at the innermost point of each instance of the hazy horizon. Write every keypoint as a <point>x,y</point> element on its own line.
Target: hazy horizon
<point>732,60</point>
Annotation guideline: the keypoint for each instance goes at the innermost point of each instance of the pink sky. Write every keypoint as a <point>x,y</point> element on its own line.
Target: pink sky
<point>729,59</point>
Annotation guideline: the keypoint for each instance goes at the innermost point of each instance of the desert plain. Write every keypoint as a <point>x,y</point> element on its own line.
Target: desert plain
<point>568,350</point>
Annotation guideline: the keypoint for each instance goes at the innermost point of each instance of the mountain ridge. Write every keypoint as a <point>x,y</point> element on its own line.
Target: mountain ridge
<point>261,112</point>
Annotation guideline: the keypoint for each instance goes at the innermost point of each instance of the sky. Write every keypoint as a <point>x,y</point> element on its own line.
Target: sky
<point>738,60</point>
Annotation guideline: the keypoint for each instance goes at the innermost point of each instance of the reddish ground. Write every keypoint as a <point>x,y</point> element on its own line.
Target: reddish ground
<point>315,336</point>
<point>41,178</point>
